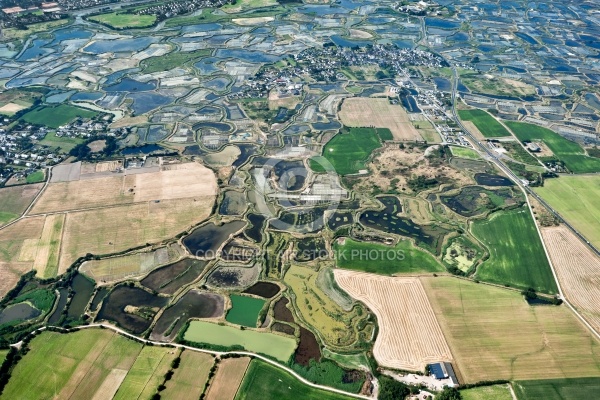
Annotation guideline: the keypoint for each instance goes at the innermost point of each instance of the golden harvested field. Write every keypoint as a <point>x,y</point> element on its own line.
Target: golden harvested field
<point>110,230</point>
<point>578,271</point>
<point>189,379</point>
<point>410,337</point>
<point>378,112</point>
<point>171,182</point>
<point>494,334</point>
<point>48,246</point>
<point>228,378</point>
<point>109,270</point>
<point>27,244</point>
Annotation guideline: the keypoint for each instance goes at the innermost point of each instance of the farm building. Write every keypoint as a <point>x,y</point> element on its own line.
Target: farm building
<point>443,370</point>
<point>533,147</point>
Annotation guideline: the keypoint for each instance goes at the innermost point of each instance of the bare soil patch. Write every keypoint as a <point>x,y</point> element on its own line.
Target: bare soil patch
<point>97,146</point>
<point>129,121</point>
<point>355,33</point>
<point>11,108</point>
<point>398,166</point>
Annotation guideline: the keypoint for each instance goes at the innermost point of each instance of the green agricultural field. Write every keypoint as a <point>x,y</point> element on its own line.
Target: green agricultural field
<point>267,382</point>
<point>487,125</point>
<point>65,144</point>
<point>348,151</point>
<point>54,117</point>
<point>20,34</point>
<point>14,200</point>
<point>558,389</point>
<point>121,20</point>
<point>464,152</point>
<point>147,373</point>
<point>385,134</point>
<point>276,346</point>
<point>576,200</point>
<point>73,365</point>
<point>36,177</point>
<point>386,260</point>
<point>171,60</point>
<point>567,151</point>
<point>517,257</point>
<point>495,392</point>
<point>244,310</point>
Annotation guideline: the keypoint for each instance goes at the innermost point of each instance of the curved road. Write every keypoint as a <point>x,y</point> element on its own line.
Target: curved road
<point>215,353</point>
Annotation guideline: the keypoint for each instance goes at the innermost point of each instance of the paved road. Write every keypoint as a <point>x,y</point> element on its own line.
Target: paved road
<point>215,353</point>
<point>32,201</point>
<point>526,190</point>
<point>494,158</point>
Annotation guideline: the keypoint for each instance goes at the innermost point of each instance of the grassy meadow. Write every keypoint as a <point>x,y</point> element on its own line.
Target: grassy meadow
<point>65,143</point>
<point>385,260</point>
<point>487,125</point>
<point>495,392</point>
<point>121,20</point>
<point>567,151</point>
<point>348,151</point>
<point>276,346</point>
<point>336,326</point>
<point>172,60</point>
<point>267,382</point>
<point>14,200</point>
<point>576,200</point>
<point>494,334</point>
<point>517,257</point>
<point>464,152</point>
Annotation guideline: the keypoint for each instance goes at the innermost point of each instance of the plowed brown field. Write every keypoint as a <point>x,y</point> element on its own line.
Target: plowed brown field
<point>410,336</point>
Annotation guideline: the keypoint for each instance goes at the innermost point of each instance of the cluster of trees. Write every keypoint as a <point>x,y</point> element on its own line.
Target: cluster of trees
<point>83,152</point>
<point>421,182</point>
